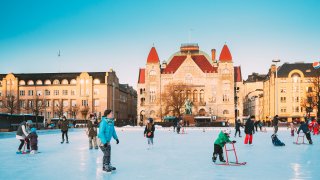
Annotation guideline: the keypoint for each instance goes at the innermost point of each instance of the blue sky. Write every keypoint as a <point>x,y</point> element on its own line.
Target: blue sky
<point>97,35</point>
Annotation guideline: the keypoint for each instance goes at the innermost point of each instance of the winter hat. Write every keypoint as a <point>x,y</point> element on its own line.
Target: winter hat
<point>150,120</point>
<point>33,130</point>
<point>29,122</point>
<point>227,131</point>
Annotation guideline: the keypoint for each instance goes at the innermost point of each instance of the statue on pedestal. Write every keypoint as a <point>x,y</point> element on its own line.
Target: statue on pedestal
<point>188,107</point>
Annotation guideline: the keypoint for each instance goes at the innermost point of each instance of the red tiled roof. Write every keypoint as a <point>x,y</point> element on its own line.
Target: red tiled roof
<point>237,74</point>
<point>153,56</point>
<point>174,64</point>
<point>142,73</point>
<point>225,54</point>
<point>203,63</point>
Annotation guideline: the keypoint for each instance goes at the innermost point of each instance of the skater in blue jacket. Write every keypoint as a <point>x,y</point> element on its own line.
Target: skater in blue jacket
<point>106,132</point>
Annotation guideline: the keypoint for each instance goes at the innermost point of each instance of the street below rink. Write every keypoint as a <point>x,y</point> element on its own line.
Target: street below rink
<point>173,156</point>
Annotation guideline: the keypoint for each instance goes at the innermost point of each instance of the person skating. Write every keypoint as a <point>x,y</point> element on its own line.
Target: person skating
<point>275,122</point>
<point>305,130</point>
<point>106,132</point>
<point>179,126</point>
<point>149,132</point>
<point>33,141</point>
<point>249,130</point>
<point>292,128</point>
<point>64,126</point>
<point>21,135</point>
<point>92,131</point>
<point>175,123</point>
<point>237,127</point>
<point>219,143</point>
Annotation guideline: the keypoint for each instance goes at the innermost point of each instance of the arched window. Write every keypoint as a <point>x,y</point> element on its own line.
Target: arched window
<point>56,81</point>
<point>225,112</point>
<point>64,81</point>
<point>295,77</point>
<point>22,82</point>
<point>39,82</point>
<point>189,94</point>
<point>201,95</point>
<point>30,82</point>
<point>182,94</point>
<point>73,81</point>
<point>225,71</point>
<point>152,94</point>
<point>152,73</point>
<point>96,81</point>
<point>47,82</point>
<point>195,96</point>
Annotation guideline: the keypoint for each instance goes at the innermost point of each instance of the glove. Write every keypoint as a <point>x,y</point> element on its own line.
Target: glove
<point>105,145</point>
<point>117,141</point>
<point>233,141</point>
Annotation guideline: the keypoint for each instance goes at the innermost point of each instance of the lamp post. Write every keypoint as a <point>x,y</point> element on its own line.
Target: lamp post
<point>276,86</point>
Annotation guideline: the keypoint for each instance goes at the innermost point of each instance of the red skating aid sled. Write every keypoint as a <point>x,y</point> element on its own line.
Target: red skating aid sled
<point>230,163</point>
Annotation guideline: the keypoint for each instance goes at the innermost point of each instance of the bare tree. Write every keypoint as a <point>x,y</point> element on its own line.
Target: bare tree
<point>59,109</point>
<point>10,104</point>
<point>73,110</point>
<point>85,111</point>
<point>311,101</point>
<point>38,106</point>
<point>173,98</point>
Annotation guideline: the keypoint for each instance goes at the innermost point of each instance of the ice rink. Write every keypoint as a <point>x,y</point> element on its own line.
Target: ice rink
<point>174,156</point>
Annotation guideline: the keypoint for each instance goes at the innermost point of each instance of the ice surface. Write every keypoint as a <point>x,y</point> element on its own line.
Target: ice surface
<point>184,156</point>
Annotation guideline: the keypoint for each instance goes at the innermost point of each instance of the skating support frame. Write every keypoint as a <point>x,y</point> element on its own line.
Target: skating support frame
<point>228,163</point>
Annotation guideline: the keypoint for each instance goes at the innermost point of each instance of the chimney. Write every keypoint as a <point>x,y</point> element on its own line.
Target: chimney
<point>213,54</point>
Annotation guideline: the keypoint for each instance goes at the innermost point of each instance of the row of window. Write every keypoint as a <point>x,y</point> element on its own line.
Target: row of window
<point>296,89</point>
<point>55,82</point>
<point>55,92</point>
<point>294,99</point>
<point>296,109</point>
<point>56,103</point>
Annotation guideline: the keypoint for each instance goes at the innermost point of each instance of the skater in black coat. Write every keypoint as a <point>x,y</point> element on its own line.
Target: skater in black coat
<point>149,132</point>
<point>305,130</point>
<point>237,127</point>
<point>249,130</point>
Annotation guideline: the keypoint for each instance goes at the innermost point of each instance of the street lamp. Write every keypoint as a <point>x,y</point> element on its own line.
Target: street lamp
<point>276,85</point>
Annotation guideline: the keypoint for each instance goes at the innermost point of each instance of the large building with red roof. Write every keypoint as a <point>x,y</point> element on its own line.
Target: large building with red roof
<point>211,82</point>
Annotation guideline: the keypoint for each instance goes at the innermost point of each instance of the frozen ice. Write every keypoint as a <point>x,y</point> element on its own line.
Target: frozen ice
<point>174,156</point>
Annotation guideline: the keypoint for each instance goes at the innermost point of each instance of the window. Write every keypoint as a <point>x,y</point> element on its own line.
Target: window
<point>30,103</point>
<point>21,93</point>
<point>296,109</point>
<point>47,82</point>
<point>84,102</point>
<point>56,81</point>
<point>201,95</point>
<point>64,81</point>
<point>283,99</point>
<point>47,92</point>
<point>73,92</point>
<point>96,91</point>
<point>73,81</point>
<point>309,89</point>
<point>39,93</point>
<point>56,103</point>
<point>65,103</point>
<point>195,96</point>
<point>296,99</point>
<point>48,115</point>
<point>283,90</point>
<point>56,92</point>
<point>152,94</point>
<point>0,93</point>
<point>73,102</point>
<point>22,104</point>
<point>283,110</point>
<point>22,83</point>
<point>295,77</point>
<point>225,112</point>
<point>65,92</point>
<point>39,82</point>
<point>30,82</point>
<point>96,81</point>
<point>48,103</point>
<point>189,94</point>
<point>188,79</point>
<point>225,71</point>
<point>96,102</point>
<point>30,93</point>
<point>225,97</point>
<point>142,101</point>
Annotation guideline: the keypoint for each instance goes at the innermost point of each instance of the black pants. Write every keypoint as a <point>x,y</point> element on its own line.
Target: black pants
<point>237,130</point>
<point>64,133</point>
<point>106,155</point>
<point>218,151</point>
<point>308,136</point>
<point>22,143</point>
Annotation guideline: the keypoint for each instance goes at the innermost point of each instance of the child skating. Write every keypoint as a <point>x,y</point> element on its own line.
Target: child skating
<point>222,139</point>
<point>292,128</point>
<point>33,141</point>
<point>305,130</point>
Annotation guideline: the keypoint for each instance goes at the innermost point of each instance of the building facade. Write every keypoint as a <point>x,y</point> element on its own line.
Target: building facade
<point>293,94</point>
<point>72,94</point>
<point>210,82</point>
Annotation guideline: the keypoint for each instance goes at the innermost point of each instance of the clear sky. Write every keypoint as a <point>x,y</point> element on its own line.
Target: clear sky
<point>96,35</point>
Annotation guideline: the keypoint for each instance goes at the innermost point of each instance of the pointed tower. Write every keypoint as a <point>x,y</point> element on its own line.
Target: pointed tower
<point>152,85</point>
<point>225,55</point>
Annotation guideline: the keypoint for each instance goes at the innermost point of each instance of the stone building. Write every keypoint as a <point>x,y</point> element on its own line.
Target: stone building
<point>210,82</point>
<point>72,94</point>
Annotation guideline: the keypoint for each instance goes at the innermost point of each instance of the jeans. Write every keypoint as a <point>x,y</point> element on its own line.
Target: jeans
<point>150,141</point>
<point>237,130</point>
<point>218,151</point>
<point>106,150</point>
<point>94,139</point>
<point>64,133</point>
<point>275,129</point>
<point>22,143</point>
